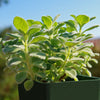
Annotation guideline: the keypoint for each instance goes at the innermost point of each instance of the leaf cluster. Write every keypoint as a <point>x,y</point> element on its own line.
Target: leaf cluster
<point>49,51</point>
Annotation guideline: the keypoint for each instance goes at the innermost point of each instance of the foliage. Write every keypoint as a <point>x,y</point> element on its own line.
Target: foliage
<point>49,51</point>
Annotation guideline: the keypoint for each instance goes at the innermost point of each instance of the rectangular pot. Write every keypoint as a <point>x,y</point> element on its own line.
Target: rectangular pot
<point>87,88</point>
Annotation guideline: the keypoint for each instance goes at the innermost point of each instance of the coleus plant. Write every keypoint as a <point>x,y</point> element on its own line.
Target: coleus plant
<point>49,51</point>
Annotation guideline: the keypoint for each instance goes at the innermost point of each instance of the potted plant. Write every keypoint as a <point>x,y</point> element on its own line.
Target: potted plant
<point>49,58</point>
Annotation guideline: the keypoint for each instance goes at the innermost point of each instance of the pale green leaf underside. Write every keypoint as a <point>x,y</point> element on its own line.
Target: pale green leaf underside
<point>56,59</point>
<point>71,73</point>
<point>38,55</point>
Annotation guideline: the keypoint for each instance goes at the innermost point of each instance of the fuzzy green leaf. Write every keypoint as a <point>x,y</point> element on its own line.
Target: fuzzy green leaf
<point>93,27</point>
<point>14,35</point>
<point>47,21</point>
<point>37,23</point>
<point>56,59</point>
<point>55,42</point>
<point>71,23</point>
<point>20,24</point>
<point>38,39</point>
<point>94,60</point>
<point>33,30</point>
<point>86,37</point>
<point>92,18</point>
<point>73,16</point>
<point>41,75</point>
<point>89,65</point>
<point>70,29</point>
<point>87,71</point>
<point>85,45</point>
<point>40,64</point>
<point>59,25</point>
<point>82,19</point>
<point>30,22</point>
<point>20,77</point>
<point>28,85</point>
<point>76,59</point>
<point>87,51</point>
<point>62,30</point>
<point>71,43</point>
<point>14,61</point>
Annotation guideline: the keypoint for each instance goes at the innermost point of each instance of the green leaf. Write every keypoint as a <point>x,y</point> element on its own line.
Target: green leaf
<point>71,26</point>
<point>38,55</point>
<point>13,48</point>
<point>89,65</point>
<point>94,60</point>
<point>9,49</point>
<point>38,39</point>
<point>62,30</point>
<point>56,18</point>
<point>93,27</point>
<point>50,17</point>
<point>67,35</point>
<point>14,35</point>
<point>71,43</point>
<point>20,24</point>
<point>30,22</point>
<point>33,30</point>
<point>97,54</point>
<point>40,64</point>
<point>47,21</point>
<point>76,59</point>
<point>82,19</point>
<point>87,51</point>
<point>85,45</point>
<point>70,29</point>
<point>37,23</point>
<point>92,18</point>
<point>71,23</point>
<point>28,85</point>
<point>55,42</point>
<point>73,16</point>
<point>20,77</point>
<point>34,46</point>
<point>14,61</point>
<point>56,59</point>
<point>86,37</point>
<point>87,71</point>
<point>59,25</point>
<point>41,75</point>
<point>72,74</point>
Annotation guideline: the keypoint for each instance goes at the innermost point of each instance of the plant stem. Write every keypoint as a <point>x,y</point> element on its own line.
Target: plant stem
<point>28,60</point>
<point>80,30</point>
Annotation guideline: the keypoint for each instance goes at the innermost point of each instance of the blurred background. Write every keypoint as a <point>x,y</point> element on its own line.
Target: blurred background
<point>34,9</point>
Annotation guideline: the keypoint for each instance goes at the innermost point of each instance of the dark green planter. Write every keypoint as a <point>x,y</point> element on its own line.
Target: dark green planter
<point>88,88</point>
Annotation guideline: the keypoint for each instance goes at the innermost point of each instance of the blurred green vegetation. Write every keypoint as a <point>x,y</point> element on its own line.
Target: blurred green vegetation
<point>3,1</point>
<point>8,86</point>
